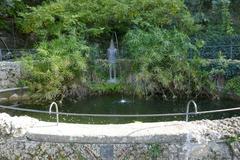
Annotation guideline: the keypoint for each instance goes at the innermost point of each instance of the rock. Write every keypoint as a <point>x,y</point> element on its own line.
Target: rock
<point>15,126</point>
<point>14,97</point>
<point>25,97</point>
<point>9,74</point>
<point>3,100</point>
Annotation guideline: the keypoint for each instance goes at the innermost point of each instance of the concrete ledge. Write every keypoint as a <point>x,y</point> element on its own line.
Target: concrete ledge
<point>122,133</point>
<point>160,132</point>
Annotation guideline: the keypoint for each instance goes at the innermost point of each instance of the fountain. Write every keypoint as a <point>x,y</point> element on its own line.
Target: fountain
<point>123,101</point>
<point>111,54</point>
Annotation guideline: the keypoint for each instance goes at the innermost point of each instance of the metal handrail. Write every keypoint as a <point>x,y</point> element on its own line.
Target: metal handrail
<point>57,113</point>
<point>13,89</point>
<point>188,105</point>
<point>10,54</point>
<point>14,107</point>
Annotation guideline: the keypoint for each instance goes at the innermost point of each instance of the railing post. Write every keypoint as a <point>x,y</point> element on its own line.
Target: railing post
<point>1,57</point>
<point>231,50</point>
<point>188,105</point>
<point>50,110</point>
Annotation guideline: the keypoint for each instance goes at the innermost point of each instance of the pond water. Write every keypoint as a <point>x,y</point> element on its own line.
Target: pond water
<point>112,105</point>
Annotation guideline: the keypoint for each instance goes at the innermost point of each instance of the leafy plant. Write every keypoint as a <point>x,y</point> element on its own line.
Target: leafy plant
<point>154,151</point>
<point>214,18</point>
<point>10,9</point>
<point>106,88</point>
<point>221,8</point>
<point>99,19</point>
<point>59,65</point>
<point>233,86</point>
<point>220,67</point>
<point>233,139</point>
<point>163,65</point>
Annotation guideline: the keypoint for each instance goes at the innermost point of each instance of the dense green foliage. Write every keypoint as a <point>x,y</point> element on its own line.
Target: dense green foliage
<point>162,63</point>
<point>99,19</point>
<point>223,67</point>
<point>96,21</point>
<point>9,8</point>
<point>214,17</point>
<point>155,36</point>
<point>233,86</point>
<point>106,88</point>
<point>58,68</point>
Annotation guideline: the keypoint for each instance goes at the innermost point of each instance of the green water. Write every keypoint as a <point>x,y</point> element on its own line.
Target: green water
<point>111,105</point>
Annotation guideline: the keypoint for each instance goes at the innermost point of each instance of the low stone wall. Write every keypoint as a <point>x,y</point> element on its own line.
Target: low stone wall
<point>28,138</point>
<point>9,74</point>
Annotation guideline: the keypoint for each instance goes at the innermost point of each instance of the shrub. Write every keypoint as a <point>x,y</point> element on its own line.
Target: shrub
<point>58,66</point>
<point>163,65</point>
<point>233,86</point>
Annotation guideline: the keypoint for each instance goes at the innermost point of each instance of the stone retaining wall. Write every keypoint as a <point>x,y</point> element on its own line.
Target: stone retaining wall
<point>9,74</point>
<point>204,140</point>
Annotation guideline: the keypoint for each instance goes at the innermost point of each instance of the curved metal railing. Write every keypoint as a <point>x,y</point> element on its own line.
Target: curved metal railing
<point>57,114</point>
<point>188,105</point>
<point>187,113</point>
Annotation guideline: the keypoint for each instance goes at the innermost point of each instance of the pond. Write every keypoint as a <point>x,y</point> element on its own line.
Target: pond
<point>111,105</point>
